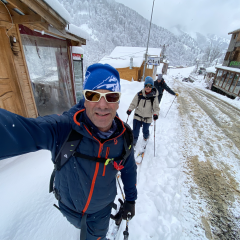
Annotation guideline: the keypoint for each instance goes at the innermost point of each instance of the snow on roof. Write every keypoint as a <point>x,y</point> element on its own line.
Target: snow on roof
<point>77,49</point>
<point>237,70</point>
<point>75,30</point>
<point>58,8</point>
<point>120,56</point>
<point>211,70</point>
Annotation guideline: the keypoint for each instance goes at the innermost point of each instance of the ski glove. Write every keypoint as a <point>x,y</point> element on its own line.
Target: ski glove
<point>129,112</point>
<point>128,210</point>
<point>155,117</point>
<point>176,94</point>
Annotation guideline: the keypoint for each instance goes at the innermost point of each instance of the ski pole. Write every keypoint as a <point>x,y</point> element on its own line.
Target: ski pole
<point>126,233</point>
<point>154,135</point>
<point>127,119</point>
<point>170,106</point>
<point>120,187</point>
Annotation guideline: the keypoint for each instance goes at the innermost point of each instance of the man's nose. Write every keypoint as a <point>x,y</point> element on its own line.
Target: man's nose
<point>103,103</point>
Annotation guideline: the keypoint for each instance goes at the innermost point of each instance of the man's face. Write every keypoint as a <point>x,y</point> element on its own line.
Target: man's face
<point>101,113</point>
<point>159,80</point>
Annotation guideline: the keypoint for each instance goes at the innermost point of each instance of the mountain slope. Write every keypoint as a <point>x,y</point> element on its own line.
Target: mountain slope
<point>112,24</point>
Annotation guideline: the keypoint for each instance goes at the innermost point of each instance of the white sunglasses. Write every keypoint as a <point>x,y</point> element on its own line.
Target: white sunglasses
<point>94,96</point>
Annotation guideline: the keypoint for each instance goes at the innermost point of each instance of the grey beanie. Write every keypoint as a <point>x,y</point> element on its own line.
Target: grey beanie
<point>159,76</point>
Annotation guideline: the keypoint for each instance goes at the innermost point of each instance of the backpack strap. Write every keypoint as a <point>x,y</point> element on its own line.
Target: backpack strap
<point>68,148</point>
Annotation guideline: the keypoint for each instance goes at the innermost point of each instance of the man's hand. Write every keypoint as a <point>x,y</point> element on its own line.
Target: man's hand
<point>155,117</point>
<point>129,112</point>
<point>128,210</point>
<point>176,94</point>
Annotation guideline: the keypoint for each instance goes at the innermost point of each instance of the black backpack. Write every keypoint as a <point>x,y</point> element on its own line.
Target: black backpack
<point>73,140</point>
<point>140,96</point>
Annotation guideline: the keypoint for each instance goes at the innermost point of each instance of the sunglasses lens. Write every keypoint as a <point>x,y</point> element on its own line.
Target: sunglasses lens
<point>112,97</point>
<point>92,96</point>
<point>148,85</point>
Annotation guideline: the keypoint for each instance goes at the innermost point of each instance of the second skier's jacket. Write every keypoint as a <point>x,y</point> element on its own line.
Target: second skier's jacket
<point>83,186</point>
<point>160,86</point>
<point>144,109</point>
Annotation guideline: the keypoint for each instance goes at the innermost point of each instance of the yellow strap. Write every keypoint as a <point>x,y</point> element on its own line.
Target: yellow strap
<point>108,160</point>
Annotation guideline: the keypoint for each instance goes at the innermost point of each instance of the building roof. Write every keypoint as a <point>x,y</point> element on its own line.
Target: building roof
<point>120,56</point>
<point>211,70</point>
<point>237,70</point>
<point>235,31</point>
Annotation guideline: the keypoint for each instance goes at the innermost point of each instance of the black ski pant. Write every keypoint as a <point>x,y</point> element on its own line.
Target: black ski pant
<point>136,129</point>
<point>160,97</point>
<point>96,224</point>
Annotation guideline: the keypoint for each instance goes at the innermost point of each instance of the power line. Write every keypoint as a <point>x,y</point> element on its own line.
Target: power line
<point>147,43</point>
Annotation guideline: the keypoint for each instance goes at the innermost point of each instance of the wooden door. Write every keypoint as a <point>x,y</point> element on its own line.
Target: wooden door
<point>10,96</point>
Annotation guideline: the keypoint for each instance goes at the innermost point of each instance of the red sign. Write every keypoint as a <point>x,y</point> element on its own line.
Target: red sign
<point>77,56</point>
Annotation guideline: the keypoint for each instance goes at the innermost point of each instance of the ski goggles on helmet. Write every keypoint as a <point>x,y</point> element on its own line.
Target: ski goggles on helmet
<point>94,96</point>
<point>148,85</point>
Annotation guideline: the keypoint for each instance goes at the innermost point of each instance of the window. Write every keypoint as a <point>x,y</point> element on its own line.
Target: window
<point>48,66</point>
<point>225,81</point>
<point>219,74</point>
<point>235,79</point>
<point>229,80</point>
<point>78,73</point>
<point>235,56</point>
<point>237,88</point>
<point>226,56</point>
<point>222,79</point>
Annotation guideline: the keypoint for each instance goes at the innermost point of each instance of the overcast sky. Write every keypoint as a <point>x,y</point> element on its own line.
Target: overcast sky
<point>204,16</point>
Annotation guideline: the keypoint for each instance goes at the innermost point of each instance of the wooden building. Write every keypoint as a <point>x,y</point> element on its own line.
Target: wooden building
<point>129,61</point>
<point>227,79</point>
<point>36,64</point>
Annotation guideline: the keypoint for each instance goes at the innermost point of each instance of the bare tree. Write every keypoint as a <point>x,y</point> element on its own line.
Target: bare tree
<point>211,53</point>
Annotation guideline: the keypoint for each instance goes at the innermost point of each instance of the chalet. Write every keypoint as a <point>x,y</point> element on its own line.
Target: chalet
<point>227,81</point>
<point>41,58</point>
<point>129,61</point>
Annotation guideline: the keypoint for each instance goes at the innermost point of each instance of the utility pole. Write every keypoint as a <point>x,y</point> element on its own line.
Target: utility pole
<point>146,54</point>
<point>197,60</point>
<point>164,46</point>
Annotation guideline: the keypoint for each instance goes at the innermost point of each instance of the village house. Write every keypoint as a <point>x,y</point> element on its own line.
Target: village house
<point>41,58</point>
<point>227,81</point>
<point>129,61</point>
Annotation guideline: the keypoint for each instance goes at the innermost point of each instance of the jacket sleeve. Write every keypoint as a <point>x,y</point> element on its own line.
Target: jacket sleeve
<point>167,88</point>
<point>134,103</point>
<point>129,178</point>
<point>156,108</point>
<point>21,135</point>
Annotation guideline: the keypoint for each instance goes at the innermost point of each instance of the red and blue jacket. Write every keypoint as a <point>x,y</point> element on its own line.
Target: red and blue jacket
<point>83,186</point>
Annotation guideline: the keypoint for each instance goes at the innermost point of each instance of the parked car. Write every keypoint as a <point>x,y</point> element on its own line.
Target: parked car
<point>185,79</point>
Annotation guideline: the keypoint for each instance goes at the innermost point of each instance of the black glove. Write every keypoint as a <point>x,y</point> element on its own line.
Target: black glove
<point>155,117</point>
<point>128,210</point>
<point>129,112</point>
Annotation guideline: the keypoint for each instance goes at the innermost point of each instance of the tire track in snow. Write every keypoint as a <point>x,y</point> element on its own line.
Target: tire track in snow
<point>209,165</point>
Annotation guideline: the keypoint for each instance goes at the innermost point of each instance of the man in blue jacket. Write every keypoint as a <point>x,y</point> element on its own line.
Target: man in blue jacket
<point>84,186</point>
<point>160,85</point>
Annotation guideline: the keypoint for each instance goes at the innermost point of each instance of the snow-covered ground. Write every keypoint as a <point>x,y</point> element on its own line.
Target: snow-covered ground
<point>163,205</point>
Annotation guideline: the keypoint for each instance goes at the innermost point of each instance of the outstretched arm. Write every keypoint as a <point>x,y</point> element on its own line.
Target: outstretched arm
<point>21,135</point>
<point>167,88</point>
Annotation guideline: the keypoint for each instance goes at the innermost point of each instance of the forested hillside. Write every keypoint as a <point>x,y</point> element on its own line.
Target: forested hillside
<point>112,24</point>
